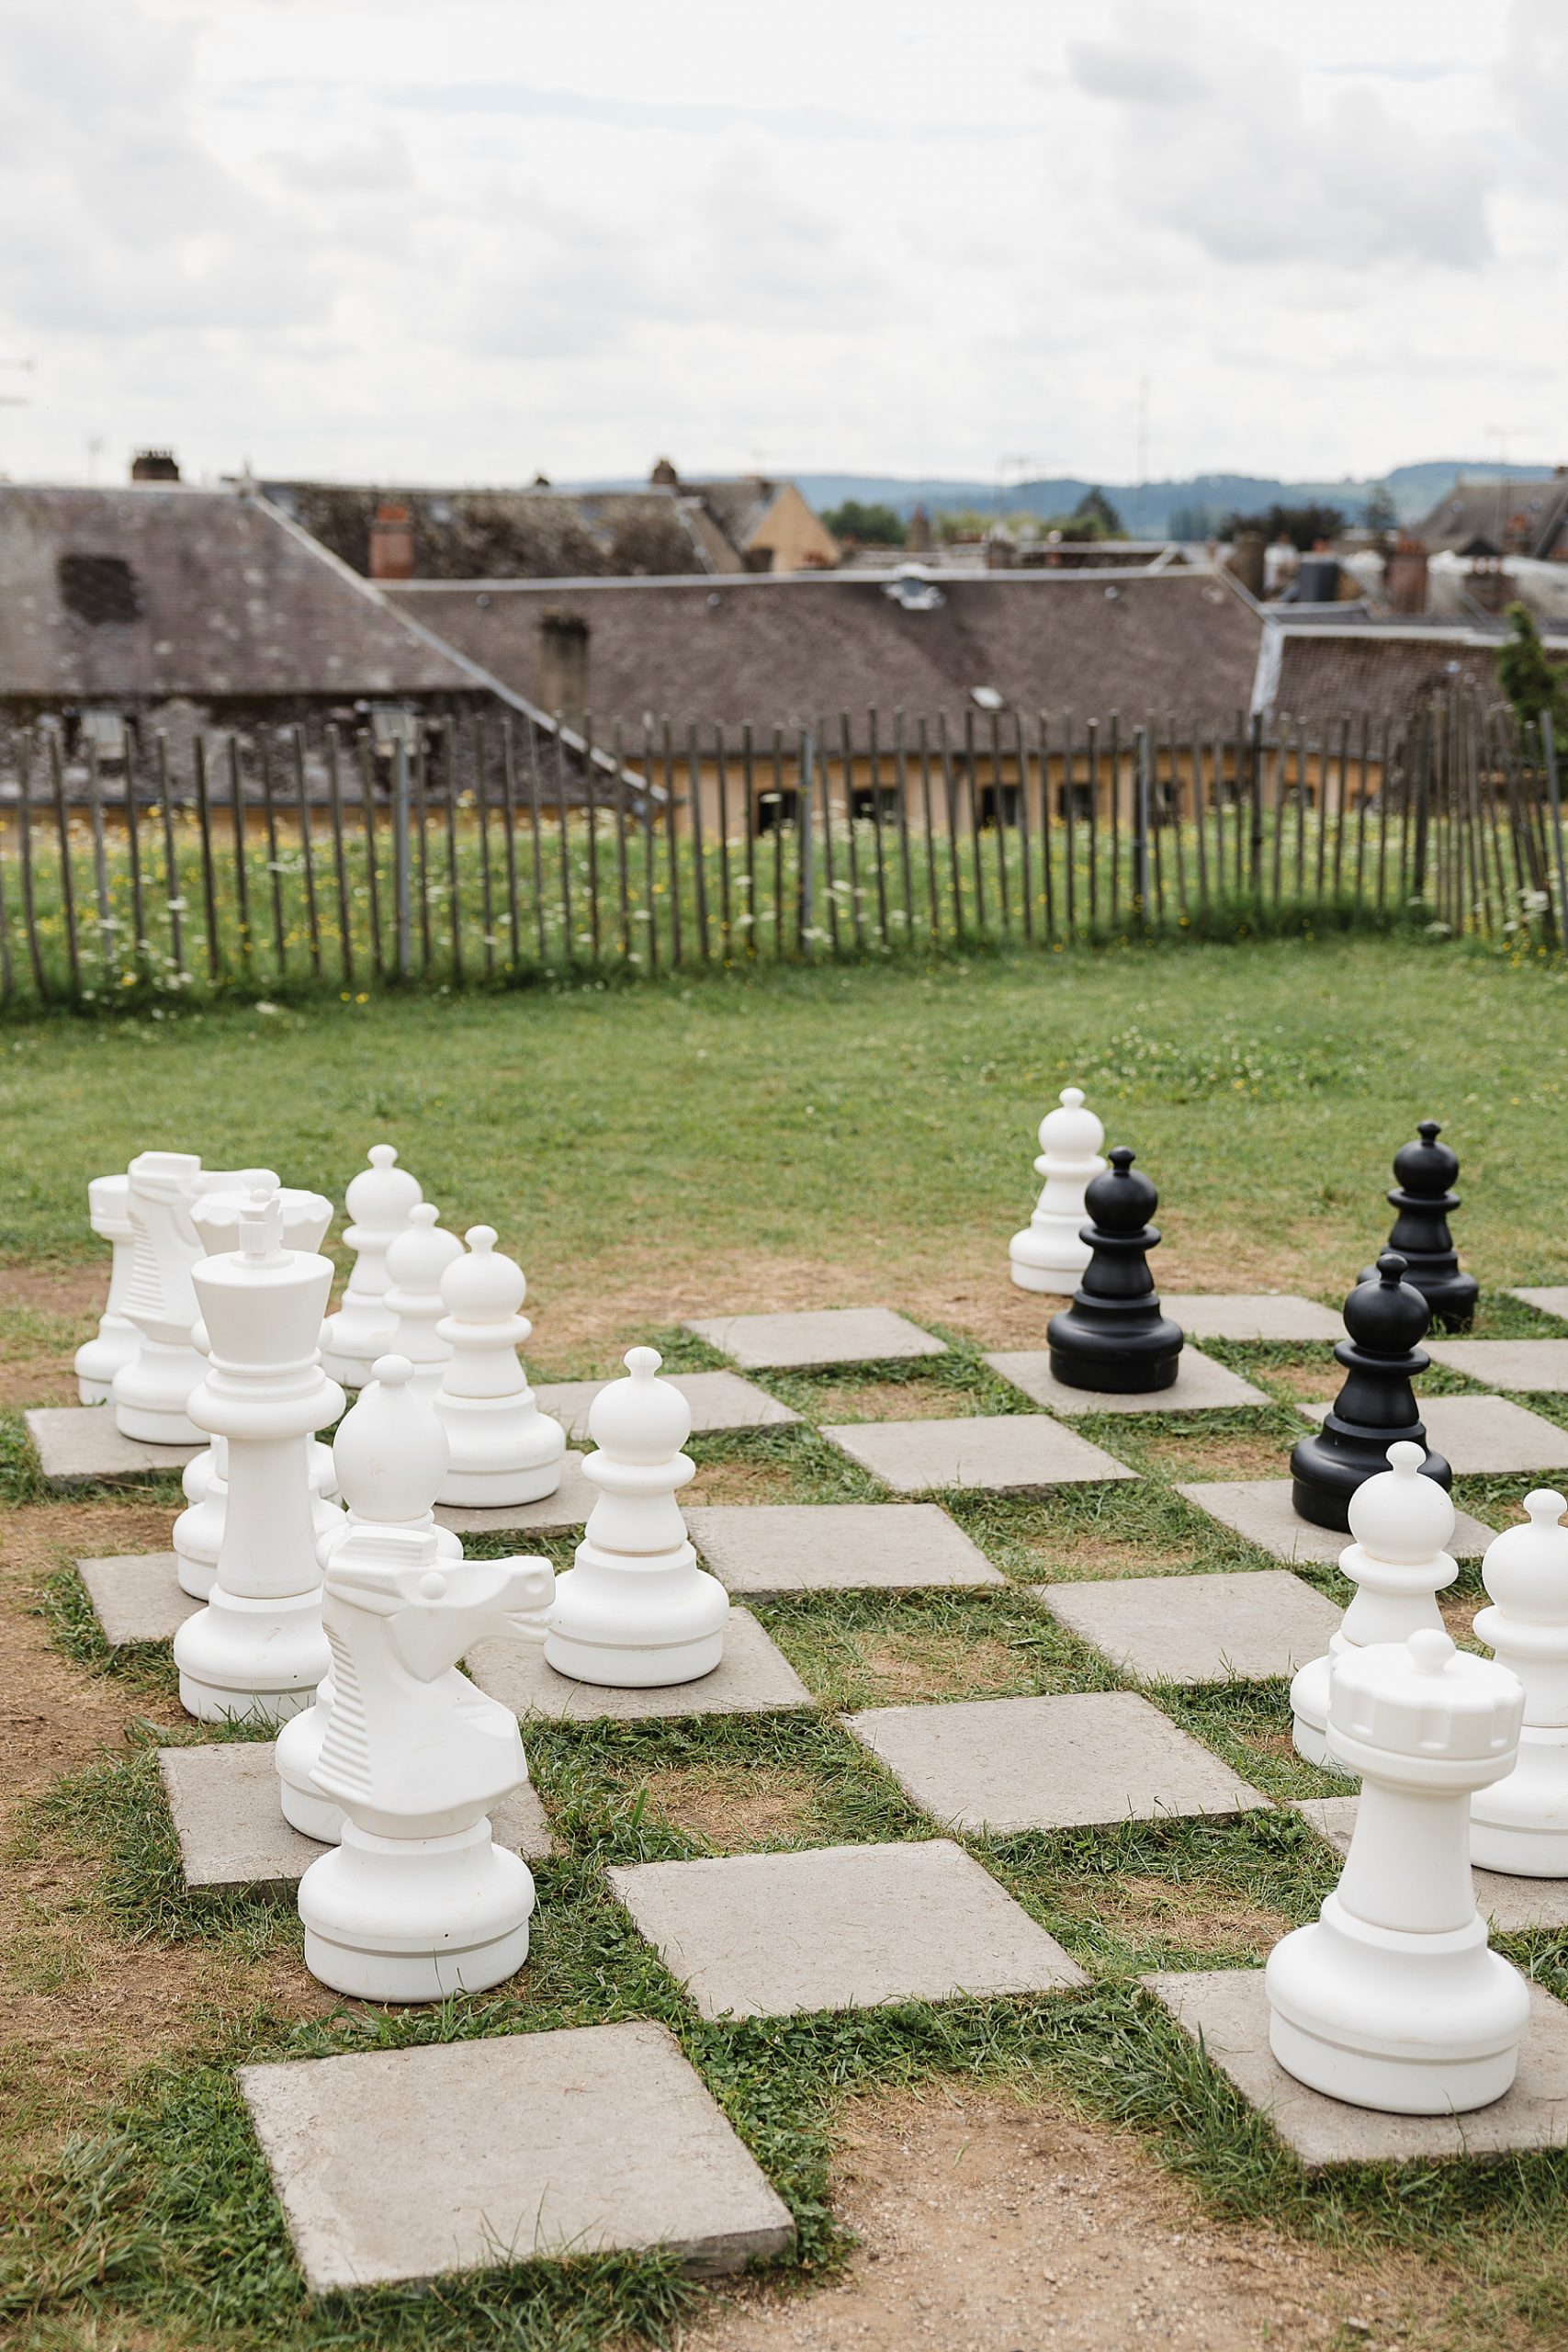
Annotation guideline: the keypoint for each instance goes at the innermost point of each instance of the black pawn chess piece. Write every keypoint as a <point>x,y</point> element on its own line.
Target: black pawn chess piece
<point>1426,1200</point>
<point>1114,1335</point>
<point>1376,1408</point>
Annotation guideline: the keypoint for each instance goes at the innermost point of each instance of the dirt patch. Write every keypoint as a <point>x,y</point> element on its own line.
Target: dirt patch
<point>1309,1382</point>
<point>46,1311</point>
<point>937,1666</point>
<point>741,1482</point>
<point>733,1807</point>
<point>1189,1453</point>
<point>1067,1557</point>
<point>987,2226</point>
<point>1149,1908</point>
<point>895,1400</point>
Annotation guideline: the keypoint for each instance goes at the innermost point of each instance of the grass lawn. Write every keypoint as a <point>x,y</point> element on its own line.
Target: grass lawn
<point>853,1135</point>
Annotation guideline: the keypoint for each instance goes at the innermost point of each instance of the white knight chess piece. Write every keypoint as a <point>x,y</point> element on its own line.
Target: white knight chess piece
<point>116,1340</point>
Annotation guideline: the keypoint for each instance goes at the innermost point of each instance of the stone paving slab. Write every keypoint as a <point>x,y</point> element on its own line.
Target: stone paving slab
<point>78,1445</point>
<point>1252,1314</point>
<point>811,1342</point>
<point>1552,1300</point>
<point>1244,1626</point>
<point>1085,1758</point>
<point>1478,1435</point>
<point>565,1509</point>
<point>223,1797</point>
<point>136,1597</point>
<point>1261,1510</point>
<point>1201,1386</point>
<point>848,1928</point>
<point>836,1547</point>
<point>719,1400</point>
<point>1226,2010</point>
<point>402,2165</point>
<point>752,1678</point>
<point>1512,1905</point>
<point>1004,1454</point>
<point>1528,1365</point>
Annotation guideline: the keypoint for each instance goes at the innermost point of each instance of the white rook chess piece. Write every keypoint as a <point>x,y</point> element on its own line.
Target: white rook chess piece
<point>151,1390</point>
<point>415,1262</point>
<point>502,1448</point>
<point>418,1901</point>
<point>116,1340</point>
<point>257,1648</point>
<point>1520,1824</point>
<point>389,1453</point>
<point>1390,1999</point>
<point>1398,1565</point>
<point>634,1611</point>
<point>378,1200</point>
<point>1048,1254</point>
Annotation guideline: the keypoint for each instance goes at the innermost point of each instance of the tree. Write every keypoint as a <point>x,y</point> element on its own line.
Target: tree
<point>873,526</point>
<point>1533,683</point>
<point>1094,517</point>
<point>1303,526</point>
<point>1379,515</point>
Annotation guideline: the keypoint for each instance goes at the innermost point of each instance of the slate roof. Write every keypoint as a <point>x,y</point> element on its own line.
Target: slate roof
<point>1386,675</point>
<point>1483,518</point>
<point>539,534</point>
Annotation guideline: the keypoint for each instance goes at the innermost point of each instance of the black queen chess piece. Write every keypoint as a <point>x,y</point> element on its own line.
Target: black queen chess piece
<point>1425,1199</point>
<point>1114,1335</point>
<point>1387,1319</point>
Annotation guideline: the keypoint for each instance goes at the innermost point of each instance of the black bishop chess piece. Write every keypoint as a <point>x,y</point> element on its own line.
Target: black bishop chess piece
<point>1387,1319</point>
<point>1426,1200</point>
<point>1114,1335</point>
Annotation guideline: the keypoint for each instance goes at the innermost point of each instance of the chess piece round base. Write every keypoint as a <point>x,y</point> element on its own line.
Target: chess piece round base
<point>150,1395</point>
<point>479,1490</point>
<point>118,1343</point>
<point>1406,2024</point>
<point>1450,1295</point>
<point>1327,1468</point>
<point>501,1453</point>
<point>615,1666</point>
<point>295,1754</point>
<point>249,1660</point>
<point>1520,1825</point>
<point>1049,1260</point>
<point>415,1919</point>
<point>1309,1714</point>
<point>351,1367</point>
<point>198,1538</point>
<point>1136,1364</point>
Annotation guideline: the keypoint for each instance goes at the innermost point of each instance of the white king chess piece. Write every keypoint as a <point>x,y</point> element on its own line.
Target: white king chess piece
<point>1398,1565</point>
<point>1520,1824</point>
<point>1392,1999</point>
<point>1049,1254</point>
<point>503,1449</point>
<point>378,1200</point>
<point>151,1390</point>
<point>634,1611</point>
<point>418,1901</point>
<point>116,1340</point>
<point>390,1455</point>
<point>257,1649</point>
<point>415,1264</point>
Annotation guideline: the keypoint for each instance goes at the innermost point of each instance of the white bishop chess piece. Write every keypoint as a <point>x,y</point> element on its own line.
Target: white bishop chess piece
<point>503,1449</point>
<point>1049,1254</point>
<point>151,1390</point>
<point>1392,1999</point>
<point>1520,1824</point>
<point>116,1340</point>
<point>415,1264</point>
<point>257,1649</point>
<point>634,1611</point>
<point>378,1200</point>
<point>390,1455</point>
<point>1398,1565</point>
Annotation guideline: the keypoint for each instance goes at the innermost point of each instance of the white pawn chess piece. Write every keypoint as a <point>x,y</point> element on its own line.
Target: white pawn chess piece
<point>151,1390</point>
<point>257,1648</point>
<point>390,1453</point>
<point>116,1340</point>
<point>378,1200</point>
<point>416,1261</point>
<point>502,1448</point>
<point>634,1611</point>
<point>1520,1824</point>
<point>1049,1254</point>
<point>418,1901</point>
<point>1390,1999</point>
<point>1398,1565</point>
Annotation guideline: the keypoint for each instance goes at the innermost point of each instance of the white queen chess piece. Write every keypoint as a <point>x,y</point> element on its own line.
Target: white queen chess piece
<point>502,1448</point>
<point>257,1649</point>
<point>1398,1565</point>
<point>1390,1999</point>
<point>634,1611</point>
<point>151,1390</point>
<point>415,1264</point>
<point>116,1340</point>
<point>1049,1254</point>
<point>378,1200</point>
<point>1520,1824</point>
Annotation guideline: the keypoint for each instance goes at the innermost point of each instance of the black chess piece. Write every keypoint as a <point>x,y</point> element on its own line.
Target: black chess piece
<point>1114,1335</point>
<point>1426,1200</point>
<point>1386,1318</point>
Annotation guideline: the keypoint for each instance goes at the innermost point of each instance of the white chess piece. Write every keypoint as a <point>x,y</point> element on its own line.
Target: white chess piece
<point>116,1340</point>
<point>151,1390</point>
<point>634,1611</point>
<point>1398,1565</point>
<point>418,1901</point>
<point>1520,1824</point>
<point>415,1264</point>
<point>1392,1999</point>
<point>257,1648</point>
<point>378,1200</point>
<point>391,1454</point>
<point>1049,1255</point>
<point>502,1448</point>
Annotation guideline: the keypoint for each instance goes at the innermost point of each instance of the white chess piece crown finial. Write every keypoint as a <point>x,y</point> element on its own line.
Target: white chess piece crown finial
<point>1049,1254</point>
<point>116,1340</point>
<point>378,1200</point>
<point>416,1260</point>
<point>1520,1824</point>
<point>504,1450</point>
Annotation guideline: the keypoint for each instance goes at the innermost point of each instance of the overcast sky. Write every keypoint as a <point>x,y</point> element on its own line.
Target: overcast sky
<point>468,239</point>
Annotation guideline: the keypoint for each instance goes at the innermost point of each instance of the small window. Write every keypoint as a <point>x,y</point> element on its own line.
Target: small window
<point>98,588</point>
<point>776,811</point>
<point>874,804</point>
<point>998,804</point>
<point>1075,800</point>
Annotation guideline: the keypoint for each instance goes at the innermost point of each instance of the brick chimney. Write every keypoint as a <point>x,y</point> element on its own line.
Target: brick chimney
<point>1405,587</point>
<point>664,475</point>
<point>154,464</point>
<point>563,662</point>
<point>392,542</point>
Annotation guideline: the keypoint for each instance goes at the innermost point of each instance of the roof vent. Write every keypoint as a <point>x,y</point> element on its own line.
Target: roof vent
<point>913,589</point>
<point>987,697</point>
